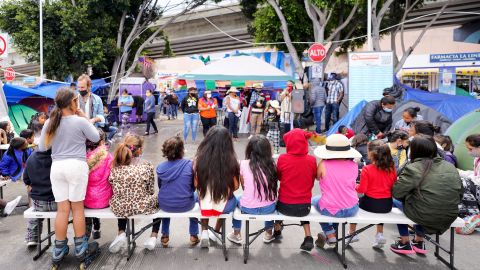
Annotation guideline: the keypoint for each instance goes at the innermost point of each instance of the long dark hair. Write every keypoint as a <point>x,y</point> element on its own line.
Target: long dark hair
<point>425,127</point>
<point>216,165</point>
<point>397,134</point>
<point>412,111</point>
<point>3,125</point>
<point>359,139</point>
<point>263,167</point>
<point>63,99</point>
<point>381,155</point>
<point>445,140</point>
<point>423,146</point>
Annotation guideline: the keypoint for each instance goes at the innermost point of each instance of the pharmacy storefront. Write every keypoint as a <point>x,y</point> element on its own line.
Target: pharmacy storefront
<point>450,73</point>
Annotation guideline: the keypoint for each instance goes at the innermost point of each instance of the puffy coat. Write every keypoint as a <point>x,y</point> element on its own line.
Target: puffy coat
<point>372,119</point>
<point>99,190</point>
<point>434,204</point>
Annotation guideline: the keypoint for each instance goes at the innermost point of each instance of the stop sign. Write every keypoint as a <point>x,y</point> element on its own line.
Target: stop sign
<point>317,52</point>
<point>9,74</point>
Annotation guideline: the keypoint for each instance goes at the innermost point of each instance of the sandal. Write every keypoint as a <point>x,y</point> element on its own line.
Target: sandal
<point>165,239</point>
<point>194,240</point>
<point>277,231</point>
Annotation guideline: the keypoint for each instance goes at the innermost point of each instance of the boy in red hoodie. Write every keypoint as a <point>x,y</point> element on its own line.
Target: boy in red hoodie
<point>296,172</point>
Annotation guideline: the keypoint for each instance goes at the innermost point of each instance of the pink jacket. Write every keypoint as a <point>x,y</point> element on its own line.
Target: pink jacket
<point>99,190</point>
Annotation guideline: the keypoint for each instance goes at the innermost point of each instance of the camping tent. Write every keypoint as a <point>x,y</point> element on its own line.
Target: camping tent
<point>459,131</point>
<point>20,116</point>
<point>429,114</point>
<point>238,68</point>
<point>348,119</point>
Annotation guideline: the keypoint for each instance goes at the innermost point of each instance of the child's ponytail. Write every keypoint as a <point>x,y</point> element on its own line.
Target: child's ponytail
<point>127,150</point>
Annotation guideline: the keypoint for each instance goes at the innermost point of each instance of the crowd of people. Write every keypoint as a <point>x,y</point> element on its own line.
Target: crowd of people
<point>374,166</point>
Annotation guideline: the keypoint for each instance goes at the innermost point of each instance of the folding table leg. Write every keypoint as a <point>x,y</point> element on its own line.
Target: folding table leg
<point>437,249</point>
<point>344,263</point>
<point>224,238</point>
<point>452,248</point>
<point>246,246</point>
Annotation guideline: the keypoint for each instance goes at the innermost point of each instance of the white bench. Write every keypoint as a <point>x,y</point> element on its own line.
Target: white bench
<point>130,231</point>
<point>362,217</point>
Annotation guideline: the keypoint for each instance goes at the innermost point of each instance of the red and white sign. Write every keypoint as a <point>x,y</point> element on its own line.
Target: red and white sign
<point>9,74</point>
<point>317,52</point>
<point>3,45</point>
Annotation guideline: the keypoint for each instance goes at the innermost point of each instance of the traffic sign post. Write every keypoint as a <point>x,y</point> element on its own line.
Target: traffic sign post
<point>9,74</point>
<point>317,52</point>
<point>3,46</point>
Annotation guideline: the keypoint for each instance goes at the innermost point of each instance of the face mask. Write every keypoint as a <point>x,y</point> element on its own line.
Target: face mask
<point>148,94</point>
<point>209,95</point>
<point>400,147</point>
<point>124,95</point>
<point>474,153</point>
<point>290,88</point>
<point>83,92</point>
<point>271,110</point>
<point>387,110</point>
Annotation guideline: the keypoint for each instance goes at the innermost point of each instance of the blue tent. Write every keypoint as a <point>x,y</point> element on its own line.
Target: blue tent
<point>451,106</point>
<point>348,119</point>
<point>15,93</point>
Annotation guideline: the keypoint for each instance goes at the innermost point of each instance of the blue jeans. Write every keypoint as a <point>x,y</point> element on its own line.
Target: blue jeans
<point>317,113</point>
<point>230,206</point>
<point>233,124</point>
<point>192,229</point>
<point>269,209</point>
<point>329,228</point>
<point>331,111</point>
<point>403,228</point>
<point>172,110</point>
<point>190,120</point>
<point>111,132</point>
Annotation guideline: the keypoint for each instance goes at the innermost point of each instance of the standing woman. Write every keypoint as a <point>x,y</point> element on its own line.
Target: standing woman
<point>190,113</point>
<point>208,115</point>
<point>149,107</point>
<point>69,173</point>
<point>233,110</point>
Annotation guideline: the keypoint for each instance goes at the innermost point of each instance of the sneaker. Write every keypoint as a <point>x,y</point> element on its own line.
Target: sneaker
<point>353,239</point>
<point>380,241</point>
<point>321,240</point>
<point>249,137</point>
<point>268,238</point>
<point>401,248</point>
<point>277,230</point>
<point>235,238</point>
<point>96,234</point>
<point>32,243</point>
<point>307,244</point>
<point>213,237</point>
<point>119,243</point>
<point>11,205</point>
<point>419,247</point>
<point>471,224</point>
<point>150,243</point>
<point>204,242</point>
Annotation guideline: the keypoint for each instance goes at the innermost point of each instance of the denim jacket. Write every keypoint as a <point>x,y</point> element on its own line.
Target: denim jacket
<point>97,109</point>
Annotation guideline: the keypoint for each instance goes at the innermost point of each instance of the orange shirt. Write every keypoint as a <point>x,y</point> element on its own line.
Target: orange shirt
<point>203,104</point>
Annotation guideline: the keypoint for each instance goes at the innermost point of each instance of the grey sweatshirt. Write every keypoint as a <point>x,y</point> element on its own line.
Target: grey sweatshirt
<point>318,95</point>
<point>70,137</point>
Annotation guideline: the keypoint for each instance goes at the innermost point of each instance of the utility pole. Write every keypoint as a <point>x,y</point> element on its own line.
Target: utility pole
<point>369,25</point>
<point>41,39</point>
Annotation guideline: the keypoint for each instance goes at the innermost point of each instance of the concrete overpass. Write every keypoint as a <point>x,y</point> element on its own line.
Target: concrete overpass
<point>192,34</point>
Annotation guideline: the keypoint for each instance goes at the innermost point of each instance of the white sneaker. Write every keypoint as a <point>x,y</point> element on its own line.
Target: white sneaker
<point>354,239</point>
<point>150,243</point>
<point>213,237</point>
<point>204,241</point>
<point>119,243</point>
<point>268,238</point>
<point>11,205</point>
<point>235,238</point>
<point>380,241</point>
<point>31,244</point>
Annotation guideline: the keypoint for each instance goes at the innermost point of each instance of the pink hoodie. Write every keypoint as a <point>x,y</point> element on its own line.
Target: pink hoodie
<point>99,190</point>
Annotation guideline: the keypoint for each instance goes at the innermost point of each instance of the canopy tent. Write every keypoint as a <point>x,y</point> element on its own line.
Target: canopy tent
<point>429,114</point>
<point>15,93</point>
<point>238,68</point>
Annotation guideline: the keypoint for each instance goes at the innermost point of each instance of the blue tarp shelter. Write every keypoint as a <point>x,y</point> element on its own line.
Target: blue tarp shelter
<point>347,120</point>
<point>15,93</point>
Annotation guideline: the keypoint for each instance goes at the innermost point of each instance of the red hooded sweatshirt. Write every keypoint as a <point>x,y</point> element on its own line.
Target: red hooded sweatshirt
<point>296,169</point>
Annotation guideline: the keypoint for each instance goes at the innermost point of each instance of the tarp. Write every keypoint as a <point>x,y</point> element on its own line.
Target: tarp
<point>15,93</point>
<point>348,119</point>
<point>452,107</point>
<point>429,114</point>
<point>20,116</point>
<point>238,68</point>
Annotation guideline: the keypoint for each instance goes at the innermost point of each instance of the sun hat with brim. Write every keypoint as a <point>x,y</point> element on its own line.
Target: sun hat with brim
<point>257,85</point>
<point>337,146</point>
<point>232,90</point>
<point>275,104</point>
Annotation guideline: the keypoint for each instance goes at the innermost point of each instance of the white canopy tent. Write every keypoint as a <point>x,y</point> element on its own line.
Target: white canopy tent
<point>238,68</point>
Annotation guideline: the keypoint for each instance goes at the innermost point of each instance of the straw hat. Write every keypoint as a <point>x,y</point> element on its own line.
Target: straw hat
<point>232,89</point>
<point>275,104</point>
<point>257,85</point>
<point>337,146</point>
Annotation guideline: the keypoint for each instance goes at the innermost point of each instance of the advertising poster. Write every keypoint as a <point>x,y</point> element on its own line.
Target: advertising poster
<point>447,78</point>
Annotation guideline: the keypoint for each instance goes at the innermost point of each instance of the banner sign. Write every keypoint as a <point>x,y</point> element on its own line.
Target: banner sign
<point>368,74</point>
<point>454,57</point>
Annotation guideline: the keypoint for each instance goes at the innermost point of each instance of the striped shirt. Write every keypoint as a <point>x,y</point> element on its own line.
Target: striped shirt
<point>334,90</point>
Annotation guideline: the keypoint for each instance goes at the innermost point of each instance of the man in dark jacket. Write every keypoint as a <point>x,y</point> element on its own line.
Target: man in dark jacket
<point>375,118</point>
<point>37,178</point>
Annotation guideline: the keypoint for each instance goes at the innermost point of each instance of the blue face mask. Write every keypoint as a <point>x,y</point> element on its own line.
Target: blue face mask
<point>387,110</point>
